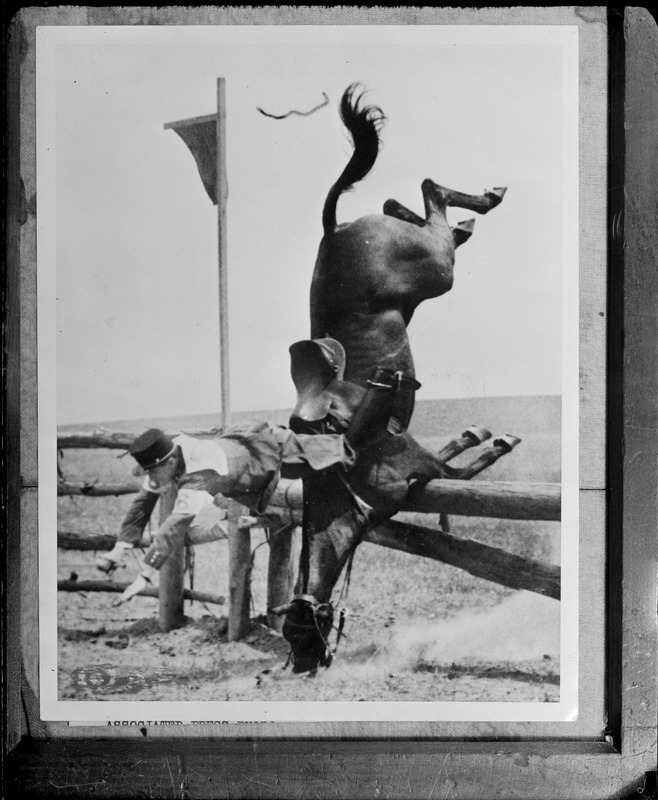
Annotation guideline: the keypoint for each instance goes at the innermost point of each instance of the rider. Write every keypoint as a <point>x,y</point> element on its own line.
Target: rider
<point>245,464</point>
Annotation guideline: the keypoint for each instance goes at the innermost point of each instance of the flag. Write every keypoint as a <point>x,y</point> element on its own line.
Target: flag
<point>200,136</point>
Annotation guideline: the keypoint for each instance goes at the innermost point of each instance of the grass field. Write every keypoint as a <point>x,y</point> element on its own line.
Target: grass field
<point>416,630</point>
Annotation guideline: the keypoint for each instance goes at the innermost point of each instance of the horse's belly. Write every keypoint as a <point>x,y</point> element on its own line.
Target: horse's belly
<point>371,340</point>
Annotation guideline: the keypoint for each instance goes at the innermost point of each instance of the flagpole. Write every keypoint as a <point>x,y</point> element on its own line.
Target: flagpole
<point>222,195</point>
<point>202,135</point>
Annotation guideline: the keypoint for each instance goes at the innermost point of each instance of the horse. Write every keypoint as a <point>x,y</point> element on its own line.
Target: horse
<point>370,275</point>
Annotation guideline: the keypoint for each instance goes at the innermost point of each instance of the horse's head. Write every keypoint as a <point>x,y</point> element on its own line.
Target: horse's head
<point>307,628</point>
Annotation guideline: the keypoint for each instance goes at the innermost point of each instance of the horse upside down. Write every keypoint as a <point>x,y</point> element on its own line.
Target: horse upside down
<point>369,277</point>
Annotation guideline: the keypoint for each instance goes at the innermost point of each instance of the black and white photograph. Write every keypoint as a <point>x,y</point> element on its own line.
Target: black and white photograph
<point>308,330</point>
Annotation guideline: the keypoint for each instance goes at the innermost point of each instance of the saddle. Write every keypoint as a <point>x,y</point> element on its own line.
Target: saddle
<point>317,367</point>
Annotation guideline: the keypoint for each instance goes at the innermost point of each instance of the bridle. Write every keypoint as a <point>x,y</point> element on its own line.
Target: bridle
<point>321,617</point>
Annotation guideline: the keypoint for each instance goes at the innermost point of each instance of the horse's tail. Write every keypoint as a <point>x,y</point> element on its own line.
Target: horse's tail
<point>363,124</point>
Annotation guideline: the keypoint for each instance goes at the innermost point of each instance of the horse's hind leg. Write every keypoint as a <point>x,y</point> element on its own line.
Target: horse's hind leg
<point>460,233</point>
<point>480,203</point>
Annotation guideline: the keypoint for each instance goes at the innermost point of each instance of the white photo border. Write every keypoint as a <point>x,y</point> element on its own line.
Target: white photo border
<point>53,709</point>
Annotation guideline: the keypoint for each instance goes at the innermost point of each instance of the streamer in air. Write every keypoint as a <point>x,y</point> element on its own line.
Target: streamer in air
<point>298,113</point>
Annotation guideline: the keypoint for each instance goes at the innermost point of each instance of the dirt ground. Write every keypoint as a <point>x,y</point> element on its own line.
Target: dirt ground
<point>502,648</point>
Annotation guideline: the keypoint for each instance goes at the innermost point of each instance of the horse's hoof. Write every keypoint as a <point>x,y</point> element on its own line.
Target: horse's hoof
<point>463,231</point>
<point>496,195</point>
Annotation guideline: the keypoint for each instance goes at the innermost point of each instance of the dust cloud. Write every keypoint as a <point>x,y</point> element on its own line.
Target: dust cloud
<point>524,627</point>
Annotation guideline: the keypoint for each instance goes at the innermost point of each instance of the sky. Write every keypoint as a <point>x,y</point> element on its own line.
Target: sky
<point>133,235</point>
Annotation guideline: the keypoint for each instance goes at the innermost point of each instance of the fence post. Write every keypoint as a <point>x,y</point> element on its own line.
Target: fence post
<point>239,566</point>
<point>171,578</point>
<point>282,571</point>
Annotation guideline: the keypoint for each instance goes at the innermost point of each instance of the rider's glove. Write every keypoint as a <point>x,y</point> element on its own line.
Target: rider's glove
<point>140,583</point>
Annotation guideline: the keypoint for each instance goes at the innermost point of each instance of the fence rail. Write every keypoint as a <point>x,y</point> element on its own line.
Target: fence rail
<point>149,591</point>
<point>115,440</point>
<point>497,500</point>
<point>68,489</point>
<point>500,500</point>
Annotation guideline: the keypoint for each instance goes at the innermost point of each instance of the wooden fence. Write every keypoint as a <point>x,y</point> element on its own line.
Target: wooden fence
<point>501,500</point>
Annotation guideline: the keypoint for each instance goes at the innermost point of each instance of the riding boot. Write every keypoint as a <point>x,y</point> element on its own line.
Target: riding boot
<point>372,415</point>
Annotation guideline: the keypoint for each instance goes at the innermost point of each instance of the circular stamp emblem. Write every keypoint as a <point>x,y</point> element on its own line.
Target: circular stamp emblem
<point>96,677</point>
